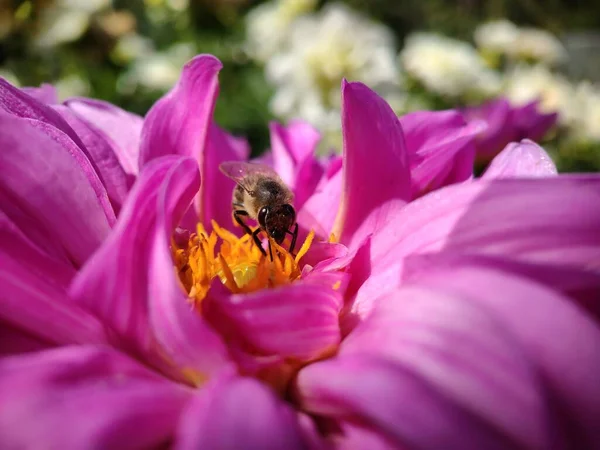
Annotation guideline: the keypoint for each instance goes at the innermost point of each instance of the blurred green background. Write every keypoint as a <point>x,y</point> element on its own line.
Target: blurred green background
<point>112,44</point>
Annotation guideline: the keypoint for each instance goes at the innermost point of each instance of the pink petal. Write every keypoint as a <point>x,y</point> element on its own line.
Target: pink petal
<point>284,162</point>
<point>121,129</point>
<point>178,123</point>
<point>547,220</point>
<point>218,418</point>
<point>17,103</point>
<point>355,437</point>
<point>214,199</point>
<point>292,157</point>
<point>531,123</point>
<point>432,370</point>
<point>33,295</point>
<point>185,337</point>
<point>59,193</point>
<point>114,284</point>
<point>99,151</point>
<point>308,175</point>
<point>14,341</point>
<point>500,130</point>
<point>524,159</point>
<point>84,397</point>
<point>376,173</point>
<point>46,93</point>
<point>299,321</point>
<point>580,284</point>
<point>321,209</point>
<point>441,148</point>
<point>555,335</point>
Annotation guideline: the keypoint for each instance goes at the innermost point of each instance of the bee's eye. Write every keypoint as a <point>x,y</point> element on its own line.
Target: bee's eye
<point>262,216</point>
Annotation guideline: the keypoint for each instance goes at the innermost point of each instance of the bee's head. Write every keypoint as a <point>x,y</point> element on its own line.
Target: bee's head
<point>277,220</point>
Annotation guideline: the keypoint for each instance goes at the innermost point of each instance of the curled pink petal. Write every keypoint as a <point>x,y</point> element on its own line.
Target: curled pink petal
<point>183,334</point>
<point>82,397</point>
<point>114,284</point>
<point>60,192</point>
<point>432,370</point>
<point>521,160</point>
<point>440,148</point>
<point>376,171</point>
<point>46,93</point>
<point>121,129</point>
<point>555,335</point>
<point>99,151</point>
<point>178,123</point>
<point>217,418</point>
<point>521,219</point>
<point>298,321</point>
<point>321,209</point>
<point>214,201</point>
<point>33,296</point>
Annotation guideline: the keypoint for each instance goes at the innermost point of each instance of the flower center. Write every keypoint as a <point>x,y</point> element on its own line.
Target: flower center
<point>238,262</point>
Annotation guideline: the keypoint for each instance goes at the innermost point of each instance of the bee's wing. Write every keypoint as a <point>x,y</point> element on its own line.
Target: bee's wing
<point>238,171</point>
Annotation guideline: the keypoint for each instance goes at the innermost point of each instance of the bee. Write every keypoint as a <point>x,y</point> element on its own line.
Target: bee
<point>262,196</point>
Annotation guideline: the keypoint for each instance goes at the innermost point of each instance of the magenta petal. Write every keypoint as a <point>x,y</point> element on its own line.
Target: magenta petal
<point>432,370</point>
<point>183,334</point>
<point>376,171</point>
<point>114,282</point>
<point>46,93</point>
<point>59,193</point>
<point>239,413</point>
<point>17,103</point>
<point>547,220</point>
<point>292,146</point>
<point>178,123</point>
<point>580,284</point>
<point>555,335</point>
<point>441,148</point>
<point>531,123</point>
<point>213,202</point>
<point>102,154</point>
<point>321,209</point>
<point>298,321</point>
<point>33,294</point>
<point>84,397</point>
<point>14,341</point>
<point>523,159</point>
<point>121,129</point>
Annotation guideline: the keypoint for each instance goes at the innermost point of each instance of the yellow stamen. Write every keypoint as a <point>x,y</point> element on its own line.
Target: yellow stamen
<point>237,262</point>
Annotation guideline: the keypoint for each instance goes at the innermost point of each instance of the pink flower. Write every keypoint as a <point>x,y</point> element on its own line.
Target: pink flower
<point>465,318</point>
<point>507,124</point>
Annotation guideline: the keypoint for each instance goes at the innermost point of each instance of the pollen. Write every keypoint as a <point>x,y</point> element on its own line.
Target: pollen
<point>236,261</point>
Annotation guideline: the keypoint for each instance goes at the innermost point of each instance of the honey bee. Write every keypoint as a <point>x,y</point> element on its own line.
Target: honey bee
<point>261,195</point>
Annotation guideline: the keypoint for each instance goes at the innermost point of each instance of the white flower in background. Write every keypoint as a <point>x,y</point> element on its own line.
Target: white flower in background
<point>72,86</point>
<point>132,46</point>
<point>267,26</point>
<point>66,21</point>
<point>587,125</point>
<point>448,67</point>
<point>498,36</point>
<point>539,45</point>
<point>157,70</point>
<point>322,49</point>
<point>554,92</point>
<point>531,44</point>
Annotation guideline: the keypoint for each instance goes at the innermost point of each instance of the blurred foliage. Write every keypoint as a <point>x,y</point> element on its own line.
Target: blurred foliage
<point>93,67</point>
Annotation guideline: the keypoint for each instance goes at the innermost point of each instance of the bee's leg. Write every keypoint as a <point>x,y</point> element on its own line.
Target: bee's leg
<point>258,243</point>
<point>294,237</point>
<point>237,215</point>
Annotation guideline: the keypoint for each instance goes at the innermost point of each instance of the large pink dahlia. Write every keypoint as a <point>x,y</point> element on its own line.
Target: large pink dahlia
<point>425,309</point>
